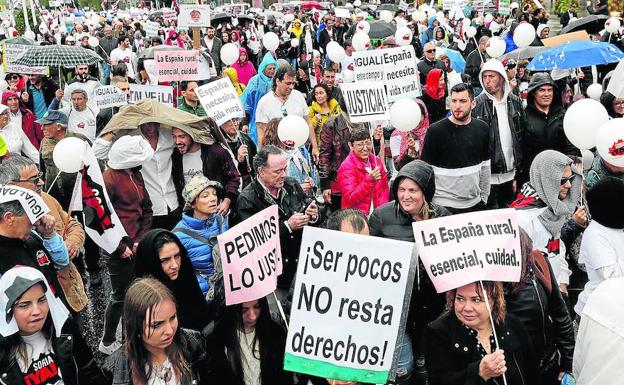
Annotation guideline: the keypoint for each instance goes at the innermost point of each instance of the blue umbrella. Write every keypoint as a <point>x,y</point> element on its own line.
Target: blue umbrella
<point>457,60</point>
<point>574,54</point>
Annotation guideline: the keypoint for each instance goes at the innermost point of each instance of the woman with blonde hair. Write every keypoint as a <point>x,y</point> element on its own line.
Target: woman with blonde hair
<point>156,350</point>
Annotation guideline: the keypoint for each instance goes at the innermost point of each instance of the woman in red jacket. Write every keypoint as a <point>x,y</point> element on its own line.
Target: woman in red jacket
<point>362,178</point>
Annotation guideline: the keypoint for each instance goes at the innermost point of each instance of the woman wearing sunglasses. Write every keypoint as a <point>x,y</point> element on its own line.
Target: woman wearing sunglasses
<point>544,205</point>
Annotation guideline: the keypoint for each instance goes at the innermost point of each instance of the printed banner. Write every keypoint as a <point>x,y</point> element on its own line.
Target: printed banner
<point>163,94</point>
<point>177,65</point>
<point>31,202</point>
<point>195,15</point>
<point>251,257</point>
<point>395,67</point>
<point>220,100</point>
<point>109,96</point>
<point>349,306</point>
<point>366,101</point>
<point>10,53</point>
<point>461,249</point>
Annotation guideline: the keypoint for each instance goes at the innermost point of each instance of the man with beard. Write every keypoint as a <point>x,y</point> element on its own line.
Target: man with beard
<point>458,148</point>
<point>212,161</point>
<point>213,45</point>
<point>82,80</point>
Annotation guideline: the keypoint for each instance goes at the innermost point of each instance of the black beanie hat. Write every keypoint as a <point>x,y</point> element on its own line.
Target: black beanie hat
<point>603,201</point>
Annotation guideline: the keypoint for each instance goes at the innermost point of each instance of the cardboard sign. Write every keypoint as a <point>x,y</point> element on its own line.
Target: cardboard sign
<point>220,100</point>
<point>366,101</point>
<point>395,67</point>
<point>31,202</point>
<point>251,257</point>
<point>554,41</point>
<point>462,249</point>
<point>349,307</point>
<point>163,94</point>
<point>197,15</point>
<point>151,28</point>
<point>109,96</point>
<point>177,65</point>
<point>10,53</point>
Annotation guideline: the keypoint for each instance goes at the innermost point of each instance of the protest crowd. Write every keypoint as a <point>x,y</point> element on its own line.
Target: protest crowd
<point>312,193</point>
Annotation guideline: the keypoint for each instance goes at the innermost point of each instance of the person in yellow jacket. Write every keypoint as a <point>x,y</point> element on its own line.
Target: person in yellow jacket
<point>233,75</point>
<point>323,107</point>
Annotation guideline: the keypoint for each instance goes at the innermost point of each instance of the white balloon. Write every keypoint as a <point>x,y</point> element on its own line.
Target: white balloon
<point>270,41</point>
<point>68,154</point>
<point>348,76</point>
<point>470,32</point>
<point>594,91</point>
<point>588,159</point>
<point>363,26</point>
<point>419,16</point>
<point>293,128</point>
<point>610,142</point>
<point>612,25</point>
<point>29,35</point>
<point>357,3</point>
<point>289,17</point>
<point>405,114</point>
<point>400,22</point>
<point>386,15</point>
<point>489,18</point>
<point>229,54</point>
<point>93,42</point>
<point>524,35</point>
<point>466,22</point>
<point>360,41</point>
<point>294,43</point>
<point>403,36</point>
<point>496,47</point>
<point>335,52</point>
<point>440,16</point>
<point>582,121</point>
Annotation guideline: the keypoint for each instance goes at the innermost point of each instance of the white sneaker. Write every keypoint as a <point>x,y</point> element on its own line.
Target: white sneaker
<point>109,349</point>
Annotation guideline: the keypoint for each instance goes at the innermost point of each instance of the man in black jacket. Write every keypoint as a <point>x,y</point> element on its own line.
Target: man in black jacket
<point>212,161</point>
<point>544,114</point>
<point>474,62</point>
<point>296,210</point>
<point>328,34</point>
<point>566,16</point>
<point>503,112</point>
<point>429,62</point>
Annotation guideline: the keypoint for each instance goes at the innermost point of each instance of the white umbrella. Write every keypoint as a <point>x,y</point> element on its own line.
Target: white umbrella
<point>616,84</point>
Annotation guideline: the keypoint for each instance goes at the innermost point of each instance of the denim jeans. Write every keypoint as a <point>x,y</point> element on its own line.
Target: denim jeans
<point>105,70</point>
<point>121,272</point>
<point>405,365</point>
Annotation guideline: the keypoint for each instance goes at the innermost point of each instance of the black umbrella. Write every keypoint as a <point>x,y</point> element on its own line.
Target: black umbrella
<point>220,18</point>
<point>243,18</point>
<point>18,40</point>
<point>592,24</point>
<point>381,30</point>
<point>155,15</point>
<point>388,7</point>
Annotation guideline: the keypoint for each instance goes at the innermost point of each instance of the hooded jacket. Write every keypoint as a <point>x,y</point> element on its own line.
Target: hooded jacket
<point>257,87</point>
<point>245,70</point>
<point>233,75</point>
<point>193,311</point>
<point>434,96</point>
<point>486,110</point>
<point>31,128</point>
<point>358,188</point>
<point>545,131</point>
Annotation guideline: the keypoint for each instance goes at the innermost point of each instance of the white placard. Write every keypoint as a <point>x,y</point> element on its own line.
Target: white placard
<point>163,94</point>
<point>109,96</point>
<point>220,100</point>
<point>366,101</point>
<point>194,15</point>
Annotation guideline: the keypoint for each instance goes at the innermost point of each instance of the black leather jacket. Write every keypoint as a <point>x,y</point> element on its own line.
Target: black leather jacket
<point>517,121</point>
<point>73,358</point>
<point>546,318</point>
<point>117,369</point>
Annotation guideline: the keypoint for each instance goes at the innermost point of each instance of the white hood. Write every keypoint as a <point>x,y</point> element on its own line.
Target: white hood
<point>496,66</point>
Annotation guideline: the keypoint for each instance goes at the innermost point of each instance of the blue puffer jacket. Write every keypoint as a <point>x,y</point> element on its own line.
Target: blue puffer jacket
<point>199,252</point>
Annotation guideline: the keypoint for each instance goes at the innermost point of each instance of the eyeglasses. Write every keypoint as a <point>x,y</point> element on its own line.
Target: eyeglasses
<point>568,179</point>
<point>14,77</point>
<point>32,180</point>
<point>361,145</point>
<point>430,50</point>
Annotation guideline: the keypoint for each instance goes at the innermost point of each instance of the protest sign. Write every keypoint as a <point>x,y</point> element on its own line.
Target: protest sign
<point>109,96</point>
<point>366,101</point>
<point>342,12</point>
<point>10,53</point>
<point>251,257</point>
<point>163,94</point>
<point>177,65</point>
<point>504,7</point>
<point>461,249</point>
<point>169,14</point>
<point>151,28</point>
<point>395,67</point>
<point>31,202</point>
<point>220,100</point>
<point>194,15</point>
<point>349,306</point>
<point>403,6</point>
<point>447,5</point>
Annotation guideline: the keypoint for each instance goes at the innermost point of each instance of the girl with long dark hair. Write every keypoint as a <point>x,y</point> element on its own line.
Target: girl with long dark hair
<point>248,346</point>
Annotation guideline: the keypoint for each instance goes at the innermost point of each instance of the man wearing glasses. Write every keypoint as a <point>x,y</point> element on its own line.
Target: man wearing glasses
<point>429,62</point>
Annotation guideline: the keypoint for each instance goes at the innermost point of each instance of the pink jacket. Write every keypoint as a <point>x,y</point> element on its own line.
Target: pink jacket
<point>358,187</point>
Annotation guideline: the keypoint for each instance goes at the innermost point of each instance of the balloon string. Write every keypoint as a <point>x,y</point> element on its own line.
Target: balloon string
<point>53,181</point>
